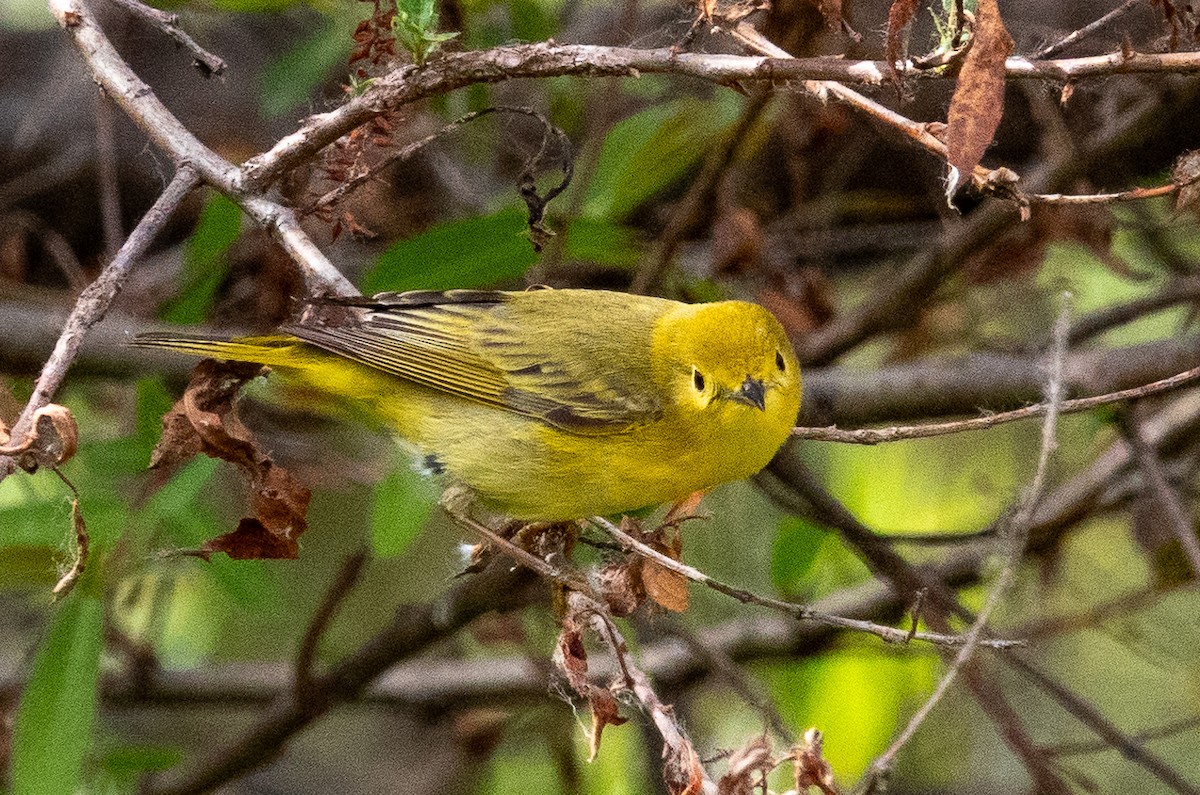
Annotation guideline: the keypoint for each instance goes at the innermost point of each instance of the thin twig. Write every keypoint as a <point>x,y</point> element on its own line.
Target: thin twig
<point>527,559</point>
<point>1051,50</point>
<point>737,678</point>
<point>1014,543</point>
<point>870,436</point>
<point>696,206</point>
<point>1090,618</point>
<point>168,23</point>
<point>454,70</point>
<point>1170,729</point>
<point>678,751</point>
<point>1127,745</point>
<point>1178,521</point>
<point>123,86</point>
<point>339,589</point>
<point>1181,290</point>
<point>1007,719</point>
<point>94,302</point>
<point>355,181</point>
<point>1134,195</point>
<point>799,612</point>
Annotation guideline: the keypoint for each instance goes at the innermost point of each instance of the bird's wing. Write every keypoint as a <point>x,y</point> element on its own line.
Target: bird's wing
<point>564,361</point>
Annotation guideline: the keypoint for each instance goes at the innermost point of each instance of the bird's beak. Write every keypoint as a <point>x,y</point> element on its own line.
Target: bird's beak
<point>752,393</point>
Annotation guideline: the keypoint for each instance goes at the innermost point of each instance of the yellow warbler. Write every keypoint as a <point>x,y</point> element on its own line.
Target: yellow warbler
<point>552,404</point>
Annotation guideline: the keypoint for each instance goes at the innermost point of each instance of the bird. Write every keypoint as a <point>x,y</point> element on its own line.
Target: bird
<point>548,404</point>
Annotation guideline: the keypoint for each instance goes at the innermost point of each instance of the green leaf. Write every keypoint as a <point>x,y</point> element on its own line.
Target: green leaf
<point>153,402</point>
<point>34,511</point>
<point>205,264</point>
<point>653,150</point>
<point>473,252</point>
<point>126,763</point>
<point>53,729</point>
<point>603,242</point>
<point>177,498</point>
<point>795,548</point>
<point>403,502</point>
<point>533,20</point>
<point>415,25</point>
<point>288,82</point>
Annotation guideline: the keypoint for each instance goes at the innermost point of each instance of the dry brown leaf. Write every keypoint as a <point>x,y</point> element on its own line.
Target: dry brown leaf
<point>68,580</point>
<point>669,589</point>
<point>809,765</point>
<point>52,441</point>
<point>621,585</point>
<point>899,19</point>
<point>571,657</point>
<point>1186,174</point>
<point>978,100</point>
<point>205,421</point>
<point>740,777</point>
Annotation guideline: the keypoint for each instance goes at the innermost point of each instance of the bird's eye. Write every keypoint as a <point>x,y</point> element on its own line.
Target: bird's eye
<point>779,363</point>
<point>697,380</point>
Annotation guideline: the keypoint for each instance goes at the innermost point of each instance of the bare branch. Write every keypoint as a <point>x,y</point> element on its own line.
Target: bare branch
<point>797,611</point>
<point>871,436</point>
<point>140,103</point>
<point>94,302</point>
<point>205,61</point>
<point>339,589</point>
<point>414,628</point>
<point>457,70</point>
<point>681,763</point>
<point>1014,545</point>
<point>1178,521</point>
<point>1074,37</point>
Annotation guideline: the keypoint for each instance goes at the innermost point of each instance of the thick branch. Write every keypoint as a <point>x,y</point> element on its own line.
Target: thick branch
<point>139,102</point>
<point>456,70</point>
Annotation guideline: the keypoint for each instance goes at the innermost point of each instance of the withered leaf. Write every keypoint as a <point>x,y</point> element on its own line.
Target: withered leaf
<point>571,657</point>
<point>252,541</point>
<point>1186,174</point>
<point>205,421</point>
<point>52,440</point>
<point>604,713</point>
<point>621,585</point>
<point>899,18</point>
<point>667,588</point>
<point>809,765</point>
<point>68,580</point>
<point>978,101</point>
<point>754,758</point>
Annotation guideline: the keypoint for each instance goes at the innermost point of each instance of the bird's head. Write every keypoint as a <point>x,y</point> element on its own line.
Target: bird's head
<point>731,359</point>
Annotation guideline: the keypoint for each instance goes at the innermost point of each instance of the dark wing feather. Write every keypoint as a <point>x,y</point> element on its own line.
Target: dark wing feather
<point>564,358</point>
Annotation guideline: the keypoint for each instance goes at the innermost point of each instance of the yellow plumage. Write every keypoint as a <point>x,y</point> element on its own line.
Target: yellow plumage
<point>552,404</point>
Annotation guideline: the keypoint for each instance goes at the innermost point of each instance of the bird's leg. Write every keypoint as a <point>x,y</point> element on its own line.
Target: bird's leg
<point>551,541</point>
<point>457,501</point>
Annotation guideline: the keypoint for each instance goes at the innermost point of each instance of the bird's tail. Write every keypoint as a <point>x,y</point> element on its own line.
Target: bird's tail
<point>274,350</point>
